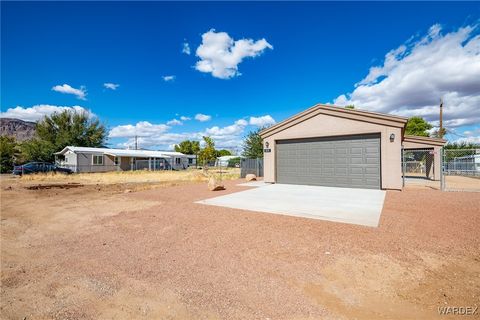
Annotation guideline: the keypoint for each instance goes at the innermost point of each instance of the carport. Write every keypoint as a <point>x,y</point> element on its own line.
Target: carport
<point>422,157</point>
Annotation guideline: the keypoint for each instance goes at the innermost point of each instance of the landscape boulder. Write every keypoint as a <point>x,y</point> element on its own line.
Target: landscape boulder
<point>251,177</point>
<point>214,185</point>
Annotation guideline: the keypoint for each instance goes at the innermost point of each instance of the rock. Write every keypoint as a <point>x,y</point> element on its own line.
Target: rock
<point>251,177</point>
<point>214,185</point>
<point>127,191</point>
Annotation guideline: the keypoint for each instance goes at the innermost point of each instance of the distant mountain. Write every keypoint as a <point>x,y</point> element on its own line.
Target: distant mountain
<point>19,129</point>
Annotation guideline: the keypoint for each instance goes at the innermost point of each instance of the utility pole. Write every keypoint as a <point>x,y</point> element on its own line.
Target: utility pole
<point>136,141</point>
<point>440,130</point>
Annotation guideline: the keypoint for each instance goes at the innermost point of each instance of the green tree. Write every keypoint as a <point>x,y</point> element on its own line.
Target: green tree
<point>350,106</point>
<point>253,145</point>
<point>232,163</point>
<point>8,153</point>
<point>223,152</point>
<point>438,134</point>
<point>462,145</point>
<point>61,129</point>
<point>208,152</point>
<point>72,128</point>
<point>37,150</point>
<point>188,147</point>
<point>417,126</point>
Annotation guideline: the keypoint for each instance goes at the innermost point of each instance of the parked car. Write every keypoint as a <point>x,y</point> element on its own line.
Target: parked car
<point>37,167</point>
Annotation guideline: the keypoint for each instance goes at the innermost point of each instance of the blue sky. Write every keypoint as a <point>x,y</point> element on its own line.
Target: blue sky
<point>61,54</point>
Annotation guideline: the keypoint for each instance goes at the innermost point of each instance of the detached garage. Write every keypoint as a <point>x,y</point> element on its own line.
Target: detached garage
<point>336,147</point>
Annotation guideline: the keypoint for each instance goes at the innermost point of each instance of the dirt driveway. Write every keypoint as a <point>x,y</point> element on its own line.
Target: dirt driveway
<point>95,252</point>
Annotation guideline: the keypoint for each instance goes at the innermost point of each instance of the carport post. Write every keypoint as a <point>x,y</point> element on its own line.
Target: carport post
<point>404,167</point>
<point>442,176</point>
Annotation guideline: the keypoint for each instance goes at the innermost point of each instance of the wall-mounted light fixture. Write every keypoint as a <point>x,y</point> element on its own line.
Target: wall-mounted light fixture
<point>267,144</point>
<point>392,137</point>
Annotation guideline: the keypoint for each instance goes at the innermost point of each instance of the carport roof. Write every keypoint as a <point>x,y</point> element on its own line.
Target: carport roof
<point>335,111</point>
<point>425,140</point>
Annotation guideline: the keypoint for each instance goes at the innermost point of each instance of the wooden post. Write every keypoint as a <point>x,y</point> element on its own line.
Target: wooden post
<point>404,167</point>
<point>440,132</point>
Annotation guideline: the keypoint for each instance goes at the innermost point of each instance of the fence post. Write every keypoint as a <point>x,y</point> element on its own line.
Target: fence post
<point>442,175</point>
<point>404,167</point>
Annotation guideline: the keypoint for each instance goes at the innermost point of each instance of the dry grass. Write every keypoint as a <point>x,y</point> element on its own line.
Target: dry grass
<point>119,177</point>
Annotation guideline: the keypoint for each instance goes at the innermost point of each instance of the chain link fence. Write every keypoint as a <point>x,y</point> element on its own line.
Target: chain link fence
<point>461,169</point>
<point>421,167</point>
<point>153,165</point>
<point>251,166</point>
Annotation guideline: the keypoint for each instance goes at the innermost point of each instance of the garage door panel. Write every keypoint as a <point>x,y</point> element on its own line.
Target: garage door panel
<point>356,170</point>
<point>351,161</point>
<point>372,171</point>
<point>371,150</point>
<point>356,151</point>
<point>356,160</point>
<point>370,160</point>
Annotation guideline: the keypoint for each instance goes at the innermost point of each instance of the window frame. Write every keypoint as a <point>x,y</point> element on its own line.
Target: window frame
<point>98,156</point>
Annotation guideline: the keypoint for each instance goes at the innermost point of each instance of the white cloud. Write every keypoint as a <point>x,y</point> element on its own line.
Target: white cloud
<point>37,112</point>
<point>202,117</point>
<point>174,122</point>
<point>262,121</point>
<point>183,118</point>
<point>141,129</point>
<point>414,76</point>
<point>111,86</point>
<point>160,141</point>
<point>186,48</point>
<point>220,55</point>
<point>469,136</point>
<point>232,130</point>
<point>65,88</point>
<point>159,136</point>
<point>473,139</point>
<point>168,78</point>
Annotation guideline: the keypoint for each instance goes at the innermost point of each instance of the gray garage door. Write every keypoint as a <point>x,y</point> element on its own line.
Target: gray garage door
<point>348,161</point>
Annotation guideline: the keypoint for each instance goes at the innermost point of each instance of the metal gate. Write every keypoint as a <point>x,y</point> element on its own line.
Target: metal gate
<point>420,169</point>
<point>251,166</point>
<point>458,170</point>
<point>461,169</point>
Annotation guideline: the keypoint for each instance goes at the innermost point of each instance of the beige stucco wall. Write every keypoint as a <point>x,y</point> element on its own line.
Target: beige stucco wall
<point>324,125</point>
<point>437,164</point>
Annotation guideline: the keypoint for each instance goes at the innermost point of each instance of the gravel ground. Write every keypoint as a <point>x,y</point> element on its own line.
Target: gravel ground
<point>97,252</point>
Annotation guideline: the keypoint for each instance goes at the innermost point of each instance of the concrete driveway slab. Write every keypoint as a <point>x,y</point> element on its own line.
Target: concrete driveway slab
<point>347,205</point>
<point>254,184</point>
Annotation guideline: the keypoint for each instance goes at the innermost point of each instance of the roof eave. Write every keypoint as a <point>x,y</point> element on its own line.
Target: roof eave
<point>375,117</point>
<point>427,140</point>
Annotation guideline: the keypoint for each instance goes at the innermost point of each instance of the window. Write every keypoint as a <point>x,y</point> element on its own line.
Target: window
<point>97,160</point>
<point>116,161</point>
<point>178,161</point>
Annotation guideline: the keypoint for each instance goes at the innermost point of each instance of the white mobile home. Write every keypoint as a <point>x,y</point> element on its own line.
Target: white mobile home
<point>224,160</point>
<point>83,159</point>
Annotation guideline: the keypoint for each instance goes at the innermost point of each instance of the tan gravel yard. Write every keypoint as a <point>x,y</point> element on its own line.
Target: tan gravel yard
<point>96,252</point>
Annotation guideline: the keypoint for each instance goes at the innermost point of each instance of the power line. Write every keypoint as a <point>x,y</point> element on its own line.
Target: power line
<point>454,133</point>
